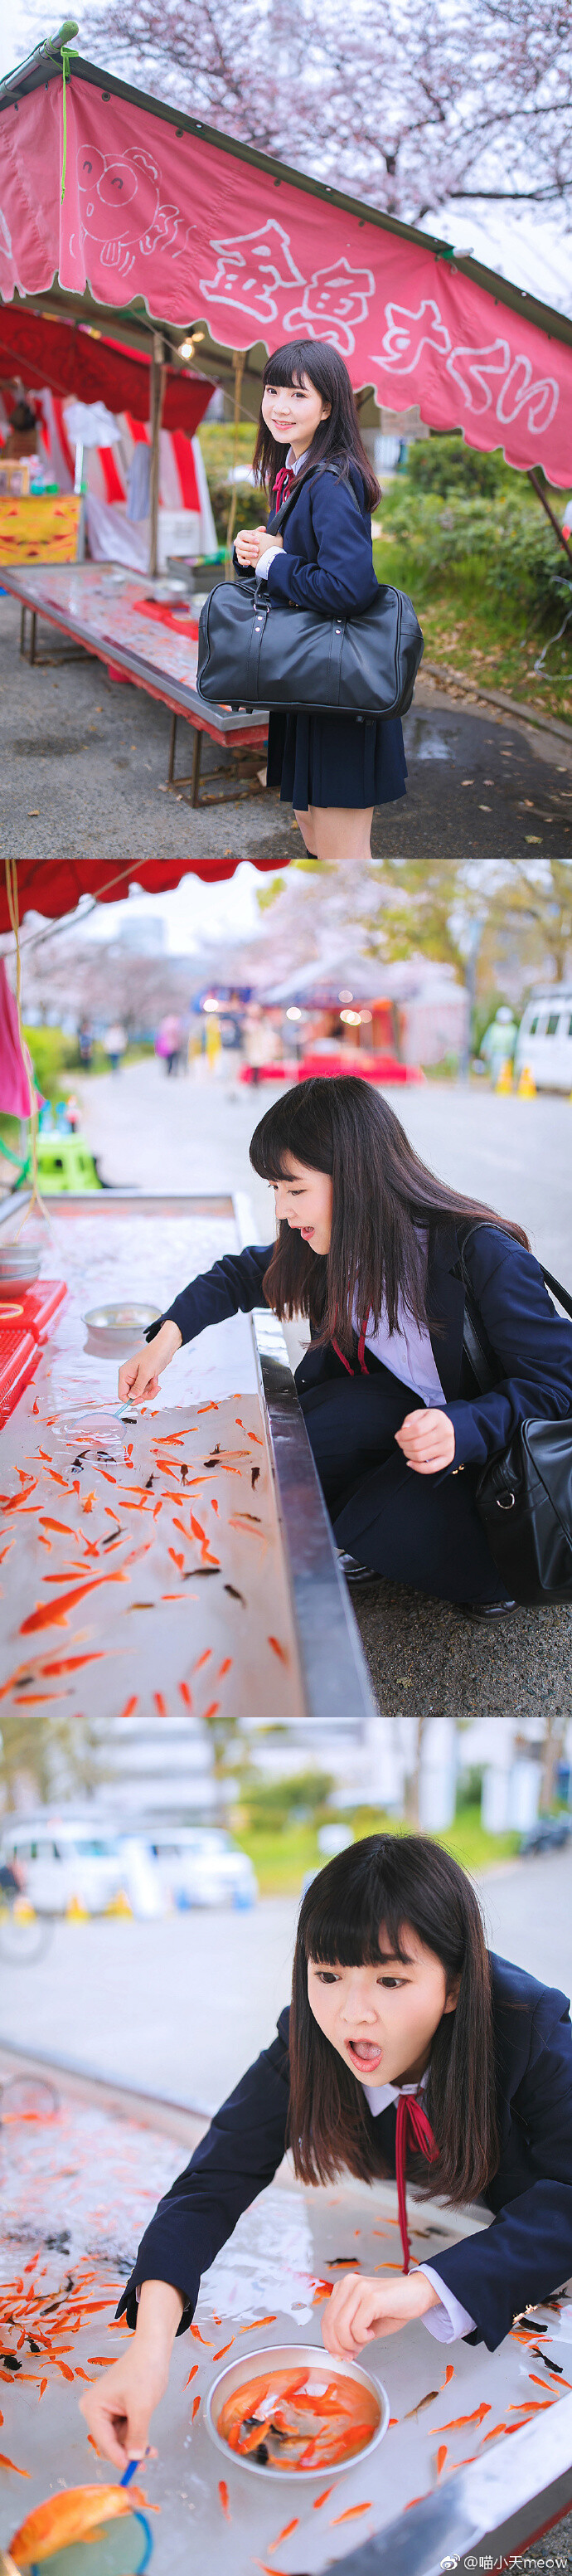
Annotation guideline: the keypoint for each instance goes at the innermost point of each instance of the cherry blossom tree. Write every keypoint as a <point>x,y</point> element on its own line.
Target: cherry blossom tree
<point>410,103</point>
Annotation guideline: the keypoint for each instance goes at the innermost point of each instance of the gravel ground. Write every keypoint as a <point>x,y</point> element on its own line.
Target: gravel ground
<point>85,777</point>
<point>422,1656</point>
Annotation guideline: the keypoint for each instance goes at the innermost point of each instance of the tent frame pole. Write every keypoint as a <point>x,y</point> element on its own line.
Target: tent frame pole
<point>558,531</point>
<point>238,367</point>
<point>157,388</point>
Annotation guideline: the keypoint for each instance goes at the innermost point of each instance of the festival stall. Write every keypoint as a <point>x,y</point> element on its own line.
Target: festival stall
<point>92,402</point>
<point>206,249</point>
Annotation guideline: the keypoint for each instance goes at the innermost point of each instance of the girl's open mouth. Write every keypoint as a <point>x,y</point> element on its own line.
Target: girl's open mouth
<point>306,1233</point>
<point>366,2054</point>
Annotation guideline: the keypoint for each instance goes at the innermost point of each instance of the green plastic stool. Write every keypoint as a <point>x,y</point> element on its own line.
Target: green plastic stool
<point>65,1163</point>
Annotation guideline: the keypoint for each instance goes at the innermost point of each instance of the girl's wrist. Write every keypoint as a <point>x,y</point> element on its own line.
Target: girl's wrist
<point>159,2314</point>
<point>169,1340</point>
<point>424,2293</point>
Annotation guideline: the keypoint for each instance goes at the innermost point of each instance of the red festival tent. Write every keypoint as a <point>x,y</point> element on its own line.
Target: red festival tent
<point>121,213</point>
<point>69,359</point>
<point>169,223</point>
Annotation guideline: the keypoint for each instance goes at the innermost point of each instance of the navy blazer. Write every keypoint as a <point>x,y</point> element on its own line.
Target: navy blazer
<point>517,2261</point>
<point>532,1344</point>
<point>326,560</point>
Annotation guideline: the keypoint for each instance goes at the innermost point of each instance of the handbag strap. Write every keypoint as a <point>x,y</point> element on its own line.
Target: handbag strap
<point>475,1343</point>
<point>311,475</point>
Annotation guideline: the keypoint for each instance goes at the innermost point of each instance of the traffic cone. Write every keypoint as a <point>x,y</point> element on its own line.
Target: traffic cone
<point>526,1086</point>
<point>76,1913</point>
<point>119,1904</point>
<point>504,1077</point>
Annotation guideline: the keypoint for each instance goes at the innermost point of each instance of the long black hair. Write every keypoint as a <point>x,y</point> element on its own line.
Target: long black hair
<point>387,1883</point>
<point>384,1202</point>
<point>338,439</point>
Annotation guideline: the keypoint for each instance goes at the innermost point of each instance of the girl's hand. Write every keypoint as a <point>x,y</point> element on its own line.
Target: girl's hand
<point>139,1375</point>
<point>251,543</point>
<point>361,2309</point>
<point>118,2406</point>
<point>427,1439</point>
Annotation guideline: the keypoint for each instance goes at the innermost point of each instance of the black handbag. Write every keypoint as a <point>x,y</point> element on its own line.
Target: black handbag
<point>524,1496</point>
<point>257,652</point>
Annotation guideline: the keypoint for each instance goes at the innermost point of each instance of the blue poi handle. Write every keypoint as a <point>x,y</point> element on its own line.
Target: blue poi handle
<point>125,2481</point>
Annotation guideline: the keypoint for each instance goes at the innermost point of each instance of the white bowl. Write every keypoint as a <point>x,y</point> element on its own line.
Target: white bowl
<point>291,2356</point>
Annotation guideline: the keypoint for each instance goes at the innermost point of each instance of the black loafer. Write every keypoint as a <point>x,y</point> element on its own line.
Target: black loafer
<point>485,1609</point>
<point>354,1572</point>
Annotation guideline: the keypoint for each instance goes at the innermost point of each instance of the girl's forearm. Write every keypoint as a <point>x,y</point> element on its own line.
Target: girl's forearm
<point>159,2315</point>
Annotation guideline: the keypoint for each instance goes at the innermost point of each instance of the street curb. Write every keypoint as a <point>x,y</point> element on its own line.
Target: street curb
<point>498,698</point>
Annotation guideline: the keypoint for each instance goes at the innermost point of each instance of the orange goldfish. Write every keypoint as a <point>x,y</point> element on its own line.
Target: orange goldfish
<point>68,2517</point>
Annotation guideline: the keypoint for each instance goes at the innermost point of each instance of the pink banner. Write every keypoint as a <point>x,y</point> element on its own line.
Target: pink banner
<point>203,236</point>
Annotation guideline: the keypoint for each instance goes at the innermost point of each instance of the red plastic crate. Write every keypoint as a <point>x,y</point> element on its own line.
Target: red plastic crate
<point>18,1356</point>
<point>187,626</point>
<point>34,1309</point>
<point>41,1305</point>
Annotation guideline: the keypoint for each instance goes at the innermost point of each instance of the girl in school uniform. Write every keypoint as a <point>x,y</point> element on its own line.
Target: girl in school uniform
<point>369,1248</point>
<point>332,768</point>
<point>408,2049</point>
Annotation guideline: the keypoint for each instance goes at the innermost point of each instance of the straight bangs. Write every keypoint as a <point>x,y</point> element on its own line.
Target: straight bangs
<point>288,365</point>
<point>348,1935</point>
<point>389,1885</point>
<point>298,1126</point>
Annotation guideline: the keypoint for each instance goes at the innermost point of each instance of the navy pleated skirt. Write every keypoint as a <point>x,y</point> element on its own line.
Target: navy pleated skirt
<point>336,760</point>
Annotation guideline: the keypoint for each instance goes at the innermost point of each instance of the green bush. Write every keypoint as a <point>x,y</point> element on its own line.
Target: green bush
<point>54,1056</point>
<point>273,1805</point>
<point>446,465</point>
<point>503,552</point>
<point>251,506</point>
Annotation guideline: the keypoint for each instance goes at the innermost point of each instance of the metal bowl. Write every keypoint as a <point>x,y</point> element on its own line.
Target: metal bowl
<point>290,2356</point>
<point>126,1317</point>
<point>18,1264</point>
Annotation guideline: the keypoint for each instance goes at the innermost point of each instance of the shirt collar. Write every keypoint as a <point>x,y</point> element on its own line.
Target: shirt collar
<point>293,462</point>
<point>379,2096</point>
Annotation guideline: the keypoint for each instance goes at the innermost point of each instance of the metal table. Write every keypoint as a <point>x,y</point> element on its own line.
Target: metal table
<point>96,605</point>
<point>448,2484</point>
<point>182,1558</point>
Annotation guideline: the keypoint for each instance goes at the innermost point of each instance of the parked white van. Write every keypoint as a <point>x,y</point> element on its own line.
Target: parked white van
<point>64,1861</point>
<point>544,1041</point>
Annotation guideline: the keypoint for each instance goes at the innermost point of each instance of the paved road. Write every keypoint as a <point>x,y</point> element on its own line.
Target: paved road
<point>180,2007</point>
<point>84,765</point>
<point>515,1153</point>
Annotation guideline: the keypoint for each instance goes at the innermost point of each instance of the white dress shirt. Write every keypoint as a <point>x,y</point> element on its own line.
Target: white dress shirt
<point>449,2321</point>
<point>407,1351</point>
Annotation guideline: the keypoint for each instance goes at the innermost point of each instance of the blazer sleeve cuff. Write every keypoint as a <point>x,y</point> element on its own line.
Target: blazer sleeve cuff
<point>470,1447</point>
<point>450,2320</point>
<point>155,2271</point>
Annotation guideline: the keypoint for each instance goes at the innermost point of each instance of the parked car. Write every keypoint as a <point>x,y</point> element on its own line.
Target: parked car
<point>544,1041</point>
<point>64,1861</point>
<point>201,1865</point>
<point>550,1833</point>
